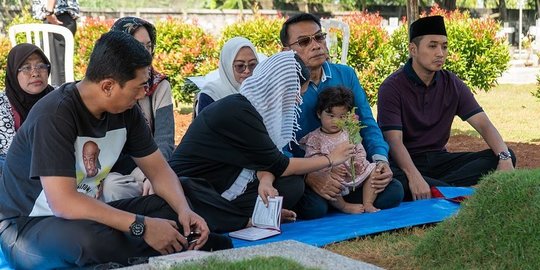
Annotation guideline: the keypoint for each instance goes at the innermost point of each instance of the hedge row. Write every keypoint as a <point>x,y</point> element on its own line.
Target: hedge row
<point>184,49</point>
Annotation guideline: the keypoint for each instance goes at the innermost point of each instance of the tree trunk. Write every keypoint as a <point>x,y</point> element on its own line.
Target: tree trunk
<point>412,11</point>
<point>537,8</point>
<point>502,11</point>
<point>450,4</point>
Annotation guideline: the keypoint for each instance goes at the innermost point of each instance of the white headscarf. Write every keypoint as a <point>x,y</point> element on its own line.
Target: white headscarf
<point>274,91</point>
<point>226,84</point>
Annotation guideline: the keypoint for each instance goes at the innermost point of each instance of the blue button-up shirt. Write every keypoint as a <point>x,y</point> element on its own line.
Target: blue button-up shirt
<point>341,75</point>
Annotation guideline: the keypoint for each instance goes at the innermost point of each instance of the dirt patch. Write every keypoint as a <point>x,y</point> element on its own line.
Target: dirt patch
<point>528,155</point>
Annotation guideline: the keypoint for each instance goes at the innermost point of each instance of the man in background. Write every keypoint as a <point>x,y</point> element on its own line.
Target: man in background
<point>63,13</point>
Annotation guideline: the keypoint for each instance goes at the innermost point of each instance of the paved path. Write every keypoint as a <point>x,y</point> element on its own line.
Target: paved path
<point>519,75</point>
<point>306,255</point>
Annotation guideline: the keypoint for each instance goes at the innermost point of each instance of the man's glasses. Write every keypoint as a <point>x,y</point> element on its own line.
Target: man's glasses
<point>28,69</point>
<point>305,41</point>
<point>239,68</point>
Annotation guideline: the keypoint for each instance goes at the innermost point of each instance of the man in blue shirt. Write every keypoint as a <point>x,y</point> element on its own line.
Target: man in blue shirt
<point>302,33</point>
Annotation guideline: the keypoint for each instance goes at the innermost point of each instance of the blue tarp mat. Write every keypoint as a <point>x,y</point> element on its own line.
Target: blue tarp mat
<point>336,227</point>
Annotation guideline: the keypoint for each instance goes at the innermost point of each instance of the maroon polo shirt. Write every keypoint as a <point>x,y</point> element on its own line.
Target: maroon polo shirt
<point>423,113</point>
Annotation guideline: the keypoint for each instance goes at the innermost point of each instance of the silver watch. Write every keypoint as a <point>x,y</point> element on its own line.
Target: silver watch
<point>504,155</point>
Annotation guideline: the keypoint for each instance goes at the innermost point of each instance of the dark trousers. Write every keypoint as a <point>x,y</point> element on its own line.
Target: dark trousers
<point>222,215</point>
<point>58,48</point>
<point>313,206</point>
<point>53,242</point>
<point>441,168</point>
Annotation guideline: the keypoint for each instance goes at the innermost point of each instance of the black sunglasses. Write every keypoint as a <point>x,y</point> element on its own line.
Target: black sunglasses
<point>305,41</point>
<point>239,68</point>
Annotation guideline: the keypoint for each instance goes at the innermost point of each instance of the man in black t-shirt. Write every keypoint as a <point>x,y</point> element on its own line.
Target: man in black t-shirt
<point>49,213</point>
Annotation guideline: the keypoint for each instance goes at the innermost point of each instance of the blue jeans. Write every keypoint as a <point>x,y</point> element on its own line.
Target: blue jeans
<point>2,161</point>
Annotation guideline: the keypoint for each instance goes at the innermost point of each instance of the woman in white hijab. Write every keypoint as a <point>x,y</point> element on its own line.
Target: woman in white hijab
<point>237,61</point>
<point>232,152</point>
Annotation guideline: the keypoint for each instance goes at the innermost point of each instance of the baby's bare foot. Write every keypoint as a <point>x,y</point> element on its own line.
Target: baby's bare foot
<point>353,208</point>
<point>370,208</point>
<point>287,215</point>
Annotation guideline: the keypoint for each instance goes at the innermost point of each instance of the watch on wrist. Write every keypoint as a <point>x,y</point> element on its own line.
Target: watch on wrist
<point>47,12</point>
<point>137,227</point>
<point>504,155</point>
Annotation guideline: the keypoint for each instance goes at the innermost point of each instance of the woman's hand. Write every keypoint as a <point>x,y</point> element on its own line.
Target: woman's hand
<point>266,189</point>
<point>342,153</point>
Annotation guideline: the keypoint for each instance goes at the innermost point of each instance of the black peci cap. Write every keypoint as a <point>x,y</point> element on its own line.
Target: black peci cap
<point>433,25</point>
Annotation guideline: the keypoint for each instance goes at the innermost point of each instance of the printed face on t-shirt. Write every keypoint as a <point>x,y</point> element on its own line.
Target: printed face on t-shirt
<point>91,158</point>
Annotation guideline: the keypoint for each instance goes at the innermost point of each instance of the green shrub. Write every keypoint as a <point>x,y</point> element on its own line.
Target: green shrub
<point>183,50</point>
<point>23,18</point>
<point>262,31</point>
<point>370,51</point>
<point>497,228</point>
<point>85,38</point>
<point>5,46</point>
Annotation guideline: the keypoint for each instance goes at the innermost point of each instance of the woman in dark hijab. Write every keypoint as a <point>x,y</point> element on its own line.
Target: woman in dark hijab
<point>27,72</point>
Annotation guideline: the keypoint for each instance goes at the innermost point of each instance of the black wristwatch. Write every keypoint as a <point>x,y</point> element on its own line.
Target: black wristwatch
<point>47,12</point>
<point>137,227</point>
<point>504,155</point>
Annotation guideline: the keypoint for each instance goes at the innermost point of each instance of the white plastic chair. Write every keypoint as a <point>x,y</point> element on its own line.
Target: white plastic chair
<point>331,38</point>
<point>38,34</point>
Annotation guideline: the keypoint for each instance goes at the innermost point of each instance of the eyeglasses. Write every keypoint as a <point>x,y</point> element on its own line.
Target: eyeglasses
<point>305,41</point>
<point>239,68</point>
<point>27,69</point>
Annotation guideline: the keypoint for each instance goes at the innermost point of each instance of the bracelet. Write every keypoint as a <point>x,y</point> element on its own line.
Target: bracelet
<point>330,164</point>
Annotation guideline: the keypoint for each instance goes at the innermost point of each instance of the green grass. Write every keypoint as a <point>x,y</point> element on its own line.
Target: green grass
<point>513,111</point>
<point>390,250</point>
<point>497,228</point>
<point>259,263</point>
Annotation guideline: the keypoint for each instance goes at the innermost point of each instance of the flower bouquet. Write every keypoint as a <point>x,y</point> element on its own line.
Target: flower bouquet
<point>352,125</point>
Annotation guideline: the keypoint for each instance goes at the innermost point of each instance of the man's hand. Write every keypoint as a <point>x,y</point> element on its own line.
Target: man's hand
<point>340,170</point>
<point>505,165</point>
<point>326,184</point>
<point>266,189</point>
<point>419,188</point>
<point>381,176</point>
<point>163,236</point>
<point>192,222</point>
<point>52,19</point>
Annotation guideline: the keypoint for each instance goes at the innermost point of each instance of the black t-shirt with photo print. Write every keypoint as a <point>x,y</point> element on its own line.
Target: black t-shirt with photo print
<point>61,137</point>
